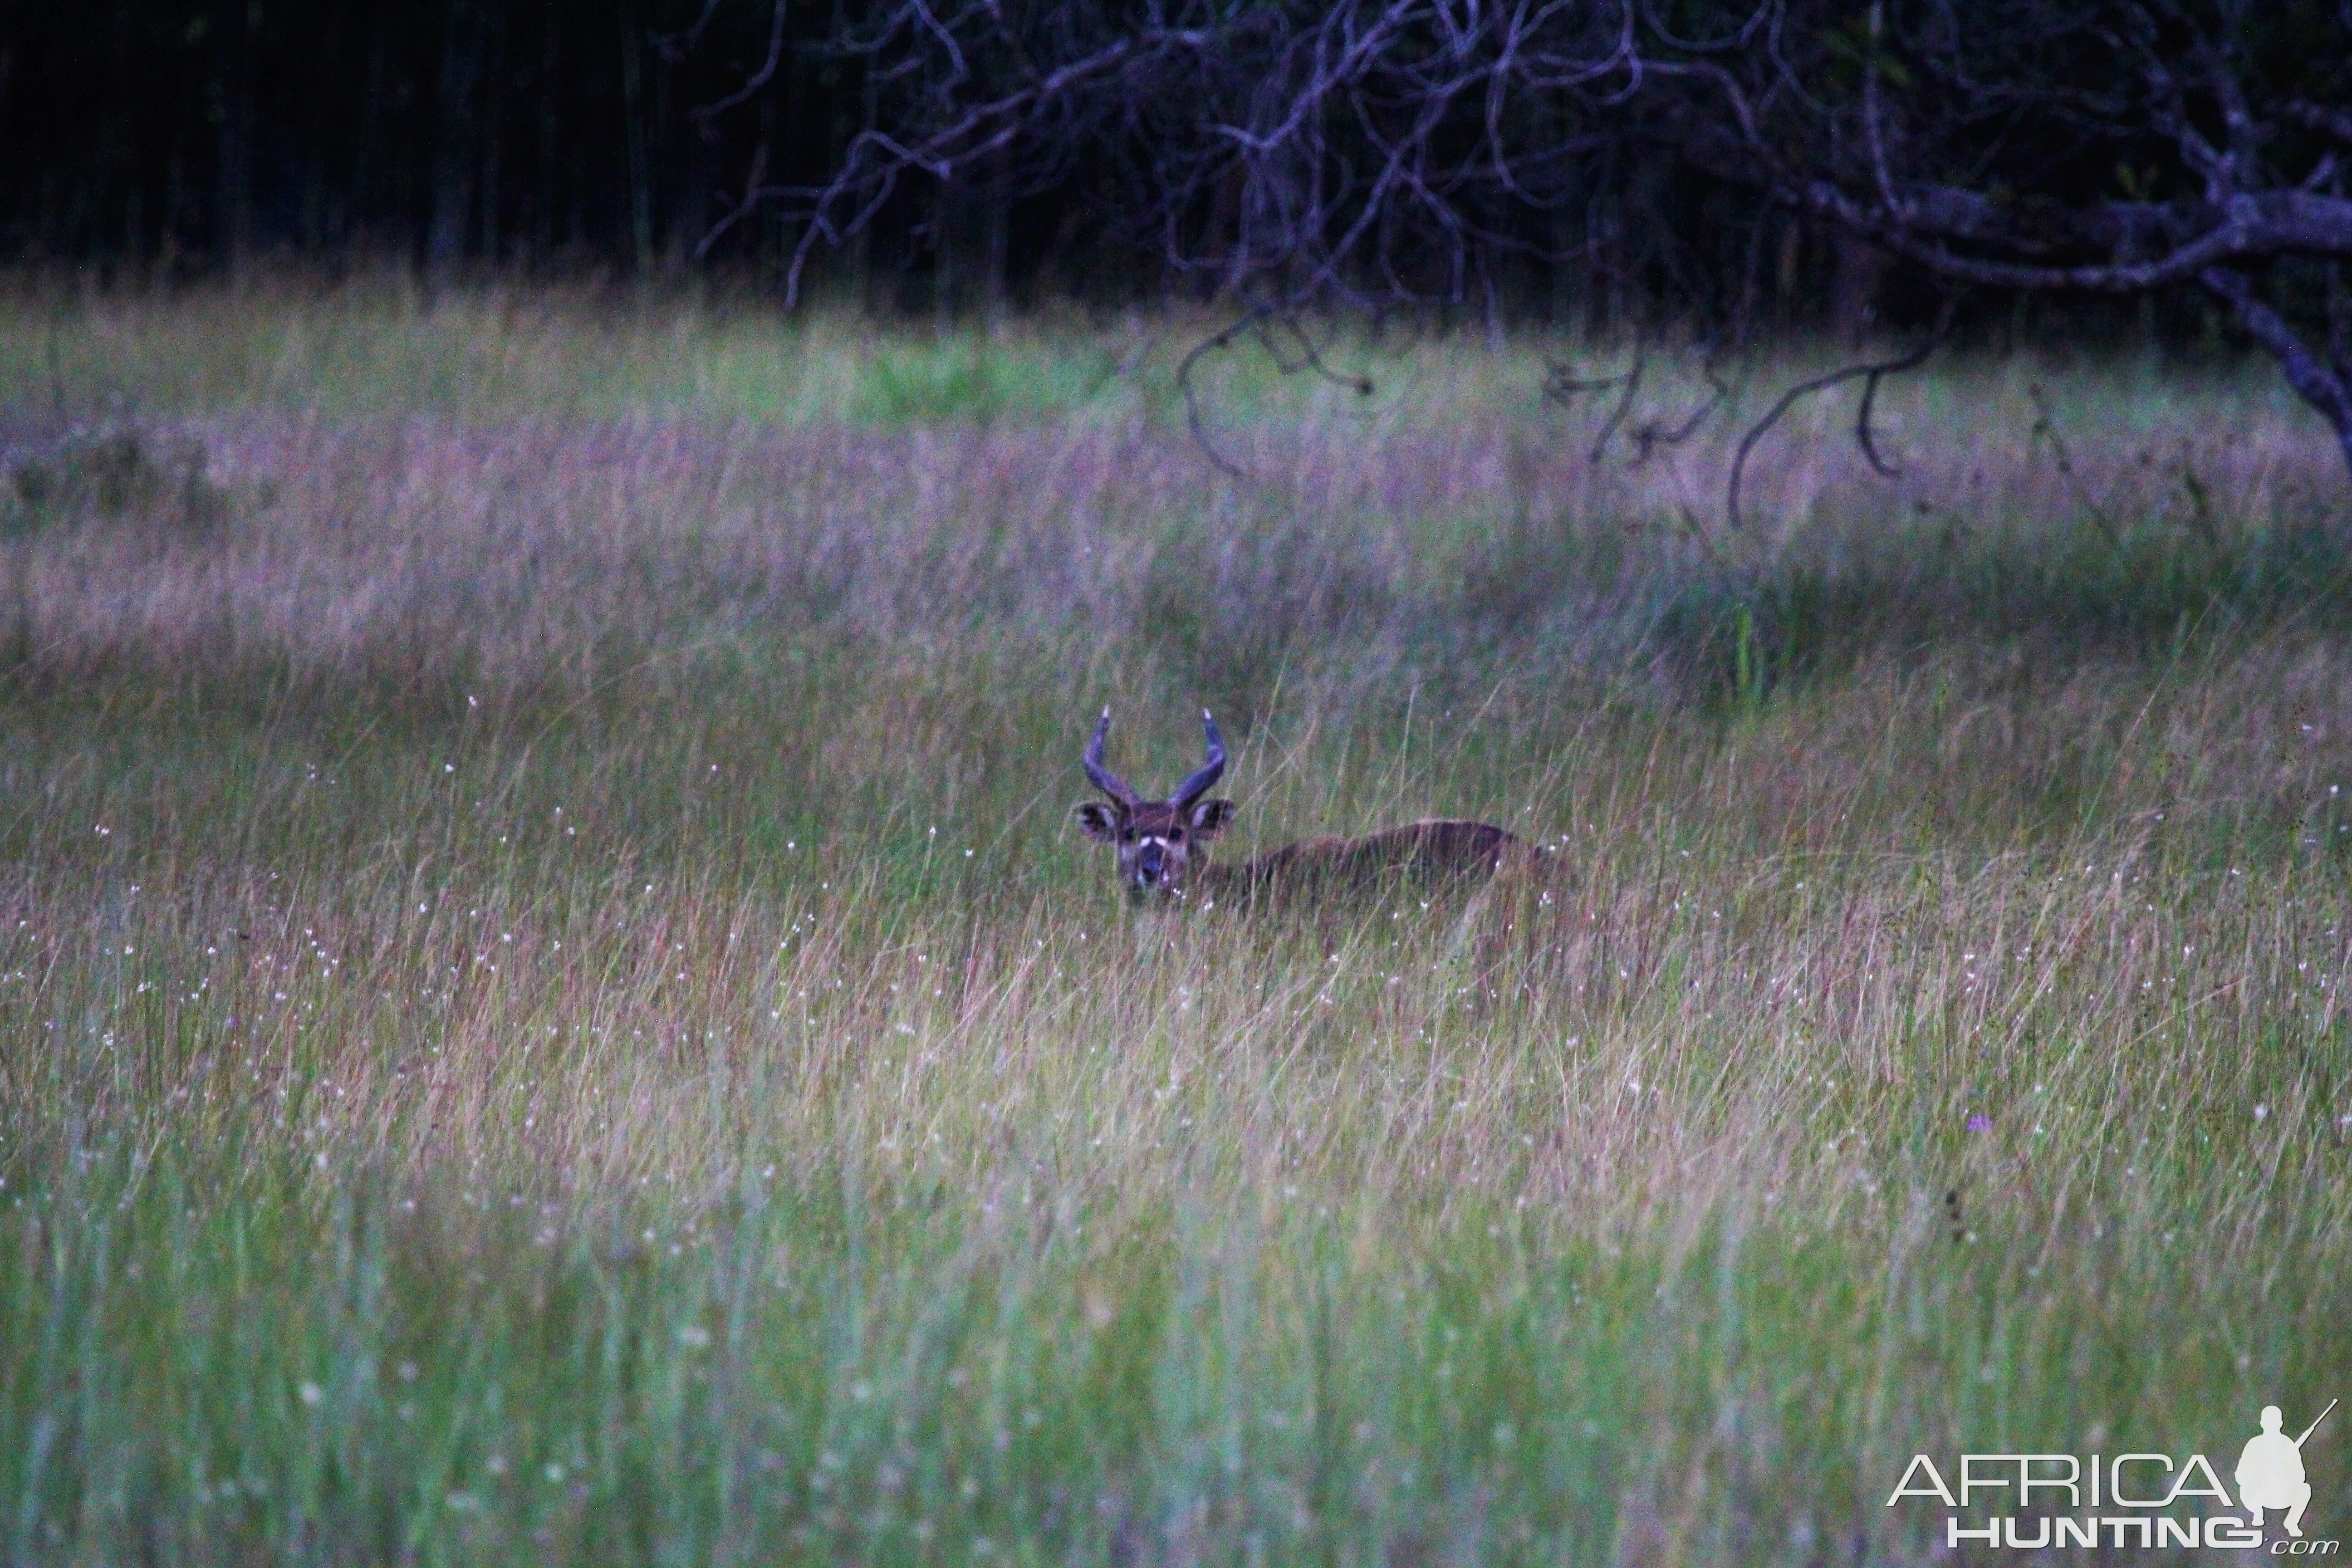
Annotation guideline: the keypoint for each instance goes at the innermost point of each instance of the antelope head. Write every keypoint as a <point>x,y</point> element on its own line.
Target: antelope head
<point>1163,845</point>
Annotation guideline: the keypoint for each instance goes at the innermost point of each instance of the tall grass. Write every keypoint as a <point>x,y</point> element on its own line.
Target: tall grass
<point>549,1013</point>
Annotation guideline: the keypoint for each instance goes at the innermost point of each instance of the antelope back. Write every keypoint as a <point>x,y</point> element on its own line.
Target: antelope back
<point>1417,859</point>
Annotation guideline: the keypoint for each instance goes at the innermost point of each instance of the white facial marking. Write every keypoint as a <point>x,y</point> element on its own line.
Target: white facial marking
<point>1166,861</point>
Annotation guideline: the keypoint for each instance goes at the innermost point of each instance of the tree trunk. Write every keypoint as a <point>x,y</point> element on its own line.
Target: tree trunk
<point>633,119</point>
<point>999,240</point>
<point>233,166</point>
<point>1784,284</point>
<point>363,162</point>
<point>456,143</point>
<point>543,205</point>
<point>490,117</point>
<point>2324,385</point>
<point>117,138</point>
<point>1857,270</point>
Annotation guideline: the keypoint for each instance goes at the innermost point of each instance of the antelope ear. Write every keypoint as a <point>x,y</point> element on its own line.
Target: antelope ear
<point>1209,818</point>
<point>1097,821</point>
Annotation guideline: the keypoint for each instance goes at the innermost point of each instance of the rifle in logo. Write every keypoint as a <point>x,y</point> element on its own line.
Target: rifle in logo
<point>2269,1472</point>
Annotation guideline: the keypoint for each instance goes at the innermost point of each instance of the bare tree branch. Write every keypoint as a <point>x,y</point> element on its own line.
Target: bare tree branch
<point>2321,386</point>
<point>1312,156</point>
<point>704,116</point>
<point>1872,374</point>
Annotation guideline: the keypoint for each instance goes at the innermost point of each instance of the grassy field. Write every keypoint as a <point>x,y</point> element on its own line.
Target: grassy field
<point>550,1011</point>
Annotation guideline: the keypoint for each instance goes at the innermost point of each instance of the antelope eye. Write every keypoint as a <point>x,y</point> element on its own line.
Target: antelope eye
<point>1175,836</point>
<point>1127,835</point>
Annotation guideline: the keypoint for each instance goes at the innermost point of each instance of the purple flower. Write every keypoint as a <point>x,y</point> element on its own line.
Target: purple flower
<point>1980,1122</point>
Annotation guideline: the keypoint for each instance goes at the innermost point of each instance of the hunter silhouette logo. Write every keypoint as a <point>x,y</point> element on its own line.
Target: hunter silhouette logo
<point>2269,1472</point>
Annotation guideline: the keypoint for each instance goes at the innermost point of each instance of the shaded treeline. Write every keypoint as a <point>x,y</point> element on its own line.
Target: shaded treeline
<point>182,137</point>
<point>166,139</point>
<point>1724,164</point>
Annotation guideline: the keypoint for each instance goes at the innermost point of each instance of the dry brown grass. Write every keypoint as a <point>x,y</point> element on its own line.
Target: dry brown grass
<point>577,907</point>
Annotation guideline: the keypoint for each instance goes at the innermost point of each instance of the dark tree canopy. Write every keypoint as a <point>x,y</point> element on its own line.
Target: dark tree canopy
<point>1727,165</point>
<point>1392,152</point>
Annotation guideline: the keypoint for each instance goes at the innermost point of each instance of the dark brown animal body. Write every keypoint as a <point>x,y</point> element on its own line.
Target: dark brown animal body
<point>1420,856</point>
<point>1164,855</point>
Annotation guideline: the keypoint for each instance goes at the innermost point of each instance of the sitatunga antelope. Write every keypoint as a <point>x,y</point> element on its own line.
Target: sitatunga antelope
<point>1165,845</point>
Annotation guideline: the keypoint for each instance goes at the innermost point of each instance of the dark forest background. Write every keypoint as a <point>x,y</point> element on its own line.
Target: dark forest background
<point>168,140</point>
<point>557,138</point>
<point>540,135</point>
<point>1726,167</point>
